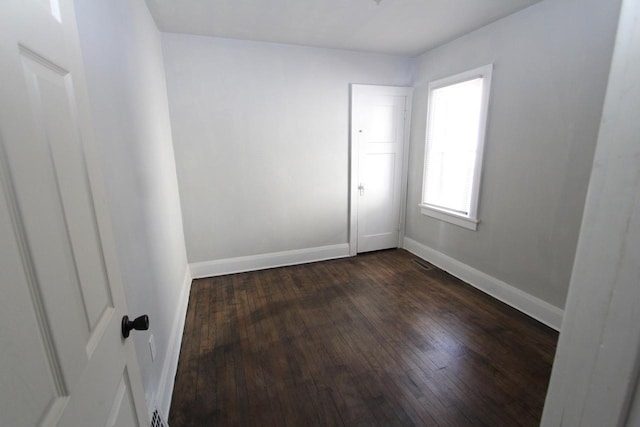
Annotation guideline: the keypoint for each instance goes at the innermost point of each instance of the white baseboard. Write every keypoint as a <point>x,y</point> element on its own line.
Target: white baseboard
<point>170,366</point>
<point>540,310</point>
<point>260,262</point>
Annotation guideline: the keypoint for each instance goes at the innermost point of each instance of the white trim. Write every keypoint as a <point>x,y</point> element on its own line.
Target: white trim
<point>532,306</point>
<point>459,220</point>
<point>355,167</point>
<point>260,262</point>
<point>405,167</point>
<point>170,366</point>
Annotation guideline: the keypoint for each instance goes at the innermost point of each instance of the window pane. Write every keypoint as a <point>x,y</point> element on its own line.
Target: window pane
<point>452,143</point>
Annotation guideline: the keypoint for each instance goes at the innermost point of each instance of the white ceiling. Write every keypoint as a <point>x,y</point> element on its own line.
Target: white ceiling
<point>400,27</point>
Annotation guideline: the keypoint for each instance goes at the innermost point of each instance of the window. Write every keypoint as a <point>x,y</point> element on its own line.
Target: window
<point>456,122</point>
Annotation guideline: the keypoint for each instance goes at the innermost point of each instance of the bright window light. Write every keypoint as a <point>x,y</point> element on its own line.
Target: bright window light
<point>454,145</point>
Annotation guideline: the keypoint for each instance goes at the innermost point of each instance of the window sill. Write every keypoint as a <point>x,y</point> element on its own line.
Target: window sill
<point>459,220</point>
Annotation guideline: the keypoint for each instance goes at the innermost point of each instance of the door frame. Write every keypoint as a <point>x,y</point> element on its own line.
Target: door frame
<point>354,167</point>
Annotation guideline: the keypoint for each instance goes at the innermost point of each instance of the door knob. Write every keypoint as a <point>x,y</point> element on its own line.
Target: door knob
<point>139,324</point>
<point>361,189</point>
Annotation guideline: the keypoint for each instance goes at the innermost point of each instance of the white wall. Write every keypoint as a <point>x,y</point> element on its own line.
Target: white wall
<point>261,135</point>
<point>124,69</point>
<point>551,63</point>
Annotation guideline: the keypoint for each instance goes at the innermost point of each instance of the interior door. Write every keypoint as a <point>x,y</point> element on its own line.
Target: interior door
<point>63,360</point>
<point>379,126</point>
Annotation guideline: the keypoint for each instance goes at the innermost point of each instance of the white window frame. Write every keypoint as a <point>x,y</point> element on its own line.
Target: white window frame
<point>470,220</point>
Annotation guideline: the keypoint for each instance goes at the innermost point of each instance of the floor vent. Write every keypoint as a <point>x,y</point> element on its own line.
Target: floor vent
<point>157,420</point>
<point>423,264</point>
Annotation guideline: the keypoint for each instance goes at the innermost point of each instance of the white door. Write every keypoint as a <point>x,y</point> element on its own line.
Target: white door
<point>379,127</point>
<point>62,359</point>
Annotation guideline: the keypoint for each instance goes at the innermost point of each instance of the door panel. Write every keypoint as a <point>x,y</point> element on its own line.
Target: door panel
<point>28,359</point>
<point>64,361</point>
<point>378,136</point>
<point>122,413</point>
<point>382,122</point>
<point>65,248</point>
<point>378,174</point>
<point>52,98</point>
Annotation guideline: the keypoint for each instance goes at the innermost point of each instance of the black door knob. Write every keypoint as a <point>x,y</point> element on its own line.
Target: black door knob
<point>139,324</point>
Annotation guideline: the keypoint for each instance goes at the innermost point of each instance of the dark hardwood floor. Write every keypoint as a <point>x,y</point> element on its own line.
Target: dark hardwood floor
<point>369,340</point>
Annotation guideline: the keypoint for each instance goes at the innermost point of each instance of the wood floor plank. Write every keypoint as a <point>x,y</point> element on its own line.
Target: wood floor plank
<point>369,340</point>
